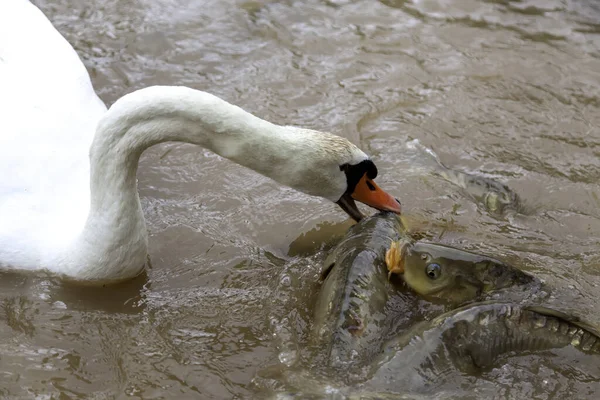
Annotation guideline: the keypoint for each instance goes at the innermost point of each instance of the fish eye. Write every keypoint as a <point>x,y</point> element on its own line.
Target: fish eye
<point>433,270</point>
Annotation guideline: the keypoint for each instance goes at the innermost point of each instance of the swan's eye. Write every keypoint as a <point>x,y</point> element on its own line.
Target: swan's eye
<point>433,270</point>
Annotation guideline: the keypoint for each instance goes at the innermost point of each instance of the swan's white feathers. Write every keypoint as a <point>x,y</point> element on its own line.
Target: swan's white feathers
<point>68,195</point>
<point>49,114</point>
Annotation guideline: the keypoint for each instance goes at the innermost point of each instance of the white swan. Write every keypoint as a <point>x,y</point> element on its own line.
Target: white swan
<point>68,193</point>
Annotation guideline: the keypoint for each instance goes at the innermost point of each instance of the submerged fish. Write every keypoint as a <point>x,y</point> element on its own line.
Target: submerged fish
<point>444,357</point>
<point>351,302</point>
<point>350,318</point>
<point>444,273</point>
<point>496,197</point>
<point>474,338</point>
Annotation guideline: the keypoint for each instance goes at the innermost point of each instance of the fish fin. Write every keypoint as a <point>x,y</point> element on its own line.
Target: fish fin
<point>575,320</point>
<point>394,259</point>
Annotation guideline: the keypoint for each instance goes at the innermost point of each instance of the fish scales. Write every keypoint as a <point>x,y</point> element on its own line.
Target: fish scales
<point>510,328</point>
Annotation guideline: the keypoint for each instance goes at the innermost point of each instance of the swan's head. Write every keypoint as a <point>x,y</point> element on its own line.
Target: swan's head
<point>332,167</point>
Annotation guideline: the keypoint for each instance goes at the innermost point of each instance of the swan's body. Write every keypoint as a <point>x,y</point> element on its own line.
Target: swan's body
<point>60,214</point>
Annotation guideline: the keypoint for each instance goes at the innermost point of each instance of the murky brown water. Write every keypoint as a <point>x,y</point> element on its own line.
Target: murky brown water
<point>510,89</point>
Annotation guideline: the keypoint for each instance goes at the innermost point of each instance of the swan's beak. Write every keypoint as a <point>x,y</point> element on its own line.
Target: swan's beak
<point>346,202</point>
<point>367,192</point>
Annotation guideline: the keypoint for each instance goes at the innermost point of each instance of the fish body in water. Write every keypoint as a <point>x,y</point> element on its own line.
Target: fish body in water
<point>350,318</point>
<point>446,274</point>
<point>351,321</point>
<point>496,197</point>
<point>351,302</point>
<point>470,339</point>
<point>443,357</point>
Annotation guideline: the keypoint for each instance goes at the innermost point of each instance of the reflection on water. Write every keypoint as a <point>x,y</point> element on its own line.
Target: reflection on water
<point>506,89</point>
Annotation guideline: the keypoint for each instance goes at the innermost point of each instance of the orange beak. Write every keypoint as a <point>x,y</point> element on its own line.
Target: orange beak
<point>367,192</point>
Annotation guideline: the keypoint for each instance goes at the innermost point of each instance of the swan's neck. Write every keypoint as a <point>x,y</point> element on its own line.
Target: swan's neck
<point>114,237</point>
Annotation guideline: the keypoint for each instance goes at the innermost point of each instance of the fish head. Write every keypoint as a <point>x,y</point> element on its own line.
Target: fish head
<point>446,274</point>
